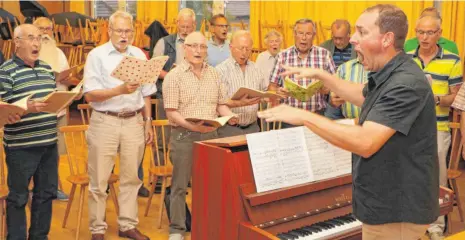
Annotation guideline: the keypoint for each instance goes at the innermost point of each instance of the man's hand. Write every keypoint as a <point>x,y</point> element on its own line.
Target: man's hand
<point>246,101</point>
<point>335,100</point>
<point>284,113</point>
<point>148,132</point>
<point>199,127</point>
<point>283,92</point>
<point>234,120</point>
<point>35,107</point>
<point>13,118</point>
<point>128,88</point>
<point>70,80</point>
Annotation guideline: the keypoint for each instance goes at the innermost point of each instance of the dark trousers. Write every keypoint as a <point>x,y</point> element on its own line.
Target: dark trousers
<point>40,163</point>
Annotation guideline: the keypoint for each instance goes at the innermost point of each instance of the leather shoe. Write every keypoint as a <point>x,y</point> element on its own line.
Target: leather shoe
<point>133,234</point>
<point>97,236</point>
<point>143,192</point>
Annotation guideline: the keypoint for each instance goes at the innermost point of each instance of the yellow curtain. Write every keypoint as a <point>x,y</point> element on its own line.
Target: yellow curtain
<point>165,10</point>
<point>453,23</point>
<point>77,6</point>
<point>322,12</point>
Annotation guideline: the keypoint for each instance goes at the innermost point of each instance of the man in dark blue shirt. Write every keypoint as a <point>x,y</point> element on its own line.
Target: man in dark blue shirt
<point>394,163</point>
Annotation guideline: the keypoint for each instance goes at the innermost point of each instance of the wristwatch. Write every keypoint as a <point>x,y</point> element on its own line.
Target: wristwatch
<point>148,119</point>
<point>438,100</point>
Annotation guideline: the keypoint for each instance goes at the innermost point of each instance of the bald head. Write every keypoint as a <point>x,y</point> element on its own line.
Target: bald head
<point>195,37</point>
<point>241,34</point>
<point>430,21</point>
<point>25,30</point>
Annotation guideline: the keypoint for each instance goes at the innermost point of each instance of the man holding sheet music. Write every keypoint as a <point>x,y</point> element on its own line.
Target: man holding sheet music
<point>191,90</point>
<point>116,123</point>
<point>30,144</point>
<point>236,72</point>
<point>394,165</point>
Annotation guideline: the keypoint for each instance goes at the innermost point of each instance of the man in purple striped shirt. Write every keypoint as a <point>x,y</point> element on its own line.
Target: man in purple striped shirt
<point>302,54</point>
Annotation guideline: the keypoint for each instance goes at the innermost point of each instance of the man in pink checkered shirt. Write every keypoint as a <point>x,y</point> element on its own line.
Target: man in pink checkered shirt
<point>302,54</point>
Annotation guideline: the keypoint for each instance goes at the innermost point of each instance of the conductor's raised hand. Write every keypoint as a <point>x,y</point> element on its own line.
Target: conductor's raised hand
<point>284,113</point>
<point>299,72</point>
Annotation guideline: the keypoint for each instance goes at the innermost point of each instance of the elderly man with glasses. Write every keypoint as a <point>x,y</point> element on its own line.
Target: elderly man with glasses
<point>30,144</point>
<point>117,123</point>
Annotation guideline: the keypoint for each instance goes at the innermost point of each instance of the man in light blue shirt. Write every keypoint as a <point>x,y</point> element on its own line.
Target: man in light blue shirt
<point>218,46</point>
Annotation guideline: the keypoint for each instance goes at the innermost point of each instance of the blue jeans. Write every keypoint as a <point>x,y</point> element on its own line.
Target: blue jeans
<point>40,163</point>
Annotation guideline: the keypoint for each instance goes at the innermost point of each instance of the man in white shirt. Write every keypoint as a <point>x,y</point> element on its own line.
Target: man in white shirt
<point>267,59</point>
<point>236,72</point>
<point>55,57</point>
<point>116,124</point>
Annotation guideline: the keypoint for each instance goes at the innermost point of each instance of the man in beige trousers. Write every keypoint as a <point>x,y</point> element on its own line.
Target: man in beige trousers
<point>116,124</point>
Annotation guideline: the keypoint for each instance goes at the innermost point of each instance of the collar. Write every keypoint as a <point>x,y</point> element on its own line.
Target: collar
<point>439,54</point>
<point>111,48</point>
<point>383,74</point>
<point>296,51</point>
<point>226,43</point>
<point>186,66</point>
<point>179,39</point>
<point>347,48</point>
<point>233,61</point>
<point>271,56</point>
<point>20,61</point>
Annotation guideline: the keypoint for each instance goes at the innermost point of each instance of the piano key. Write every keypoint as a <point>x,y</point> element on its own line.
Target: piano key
<point>324,230</point>
<point>282,237</point>
<point>338,230</point>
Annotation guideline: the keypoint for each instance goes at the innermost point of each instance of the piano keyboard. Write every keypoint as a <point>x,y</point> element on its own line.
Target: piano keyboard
<point>324,230</point>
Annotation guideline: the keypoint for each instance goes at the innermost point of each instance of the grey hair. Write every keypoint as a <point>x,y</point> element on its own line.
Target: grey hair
<point>186,12</point>
<point>436,19</point>
<point>305,21</point>
<point>120,14</point>
<point>19,29</point>
<point>273,33</point>
<point>339,22</point>
<point>240,33</point>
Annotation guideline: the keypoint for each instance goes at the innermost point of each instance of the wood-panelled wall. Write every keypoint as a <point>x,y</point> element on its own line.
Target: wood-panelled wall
<point>51,6</point>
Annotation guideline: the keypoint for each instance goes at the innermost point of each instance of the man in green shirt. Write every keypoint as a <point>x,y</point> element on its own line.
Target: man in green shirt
<point>444,43</point>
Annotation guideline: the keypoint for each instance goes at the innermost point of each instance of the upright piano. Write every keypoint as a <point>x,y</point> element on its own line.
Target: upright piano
<point>226,205</point>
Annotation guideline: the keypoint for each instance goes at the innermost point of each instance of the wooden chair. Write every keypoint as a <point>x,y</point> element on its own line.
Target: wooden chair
<point>76,150</point>
<point>452,172</point>
<point>154,103</point>
<point>264,28</point>
<point>267,126</point>
<point>159,169</point>
<point>86,111</point>
<point>3,189</point>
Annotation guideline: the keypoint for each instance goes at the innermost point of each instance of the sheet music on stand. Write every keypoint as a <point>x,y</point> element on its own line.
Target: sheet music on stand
<point>288,157</point>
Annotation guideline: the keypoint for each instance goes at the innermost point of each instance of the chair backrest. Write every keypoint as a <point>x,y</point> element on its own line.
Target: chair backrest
<point>456,145</point>
<point>86,111</point>
<point>160,127</point>
<point>2,160</point>
<point>267,126</point>
<point>76,147</point>
<point>154,103</point>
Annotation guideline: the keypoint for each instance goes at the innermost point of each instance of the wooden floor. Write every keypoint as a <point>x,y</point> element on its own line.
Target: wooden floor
<point>148,224</point>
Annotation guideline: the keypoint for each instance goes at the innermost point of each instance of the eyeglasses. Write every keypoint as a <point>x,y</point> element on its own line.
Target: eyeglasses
<point>200,47</point>
<point>121,31</point>
<point>243,49</point>
<point>221,26</point>
<point>306,34</point>
<point>31,38</point>
<point>45,28</point>
<point>428,33</point>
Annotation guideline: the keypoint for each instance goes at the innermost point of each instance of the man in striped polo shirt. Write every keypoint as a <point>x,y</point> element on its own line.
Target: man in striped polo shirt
<point>236,72</point>
<point>30,144</point>
<point>445,69</point>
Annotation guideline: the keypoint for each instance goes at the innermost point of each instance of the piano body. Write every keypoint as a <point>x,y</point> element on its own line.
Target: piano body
<point>226,205</point>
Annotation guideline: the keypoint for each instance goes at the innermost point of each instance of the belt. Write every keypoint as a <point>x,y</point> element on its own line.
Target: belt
<point>123,115</point>
<point>244,126</point>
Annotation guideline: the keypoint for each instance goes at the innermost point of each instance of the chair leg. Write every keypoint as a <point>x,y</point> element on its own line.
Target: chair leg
<point>115,199</point>
<point>68,206</point>
<point>152,190</point>
<point>449,223</point>
<point>162,203</point>
<point>2,230</point>
<point>81,203</point>
<point>457,198</point>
